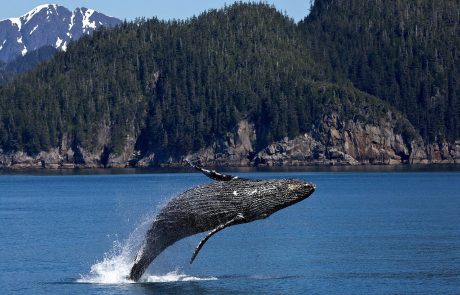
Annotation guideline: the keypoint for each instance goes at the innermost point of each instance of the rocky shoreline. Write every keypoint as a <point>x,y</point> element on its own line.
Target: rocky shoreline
<point>332,141</point>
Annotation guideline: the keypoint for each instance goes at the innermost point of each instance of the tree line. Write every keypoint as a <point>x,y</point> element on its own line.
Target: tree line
<point>405,52</point>
<point>181,85</point>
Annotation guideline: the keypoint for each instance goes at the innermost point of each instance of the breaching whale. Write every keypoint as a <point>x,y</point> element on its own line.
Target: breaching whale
<point>227,201</point>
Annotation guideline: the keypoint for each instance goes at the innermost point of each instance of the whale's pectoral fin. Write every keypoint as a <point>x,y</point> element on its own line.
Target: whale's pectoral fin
<point>213,174</point>
<point>235,220</point>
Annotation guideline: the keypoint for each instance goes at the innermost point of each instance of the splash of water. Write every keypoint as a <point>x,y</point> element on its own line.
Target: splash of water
<point>116,265</point>
<point>113,269</point>
<point>174,276</point>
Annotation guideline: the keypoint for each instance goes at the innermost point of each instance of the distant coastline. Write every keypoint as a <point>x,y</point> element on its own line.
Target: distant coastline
<point>289,169</point>
<point>332,142</point>
<point>244,86</point>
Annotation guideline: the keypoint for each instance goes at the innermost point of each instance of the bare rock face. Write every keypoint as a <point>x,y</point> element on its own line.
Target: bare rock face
<point>444,152</point>
<point>21,160</point>
<point>147,161</point>
<point>298,151</point>
<point>67,156</point>
<point>51,159</point>
<point>123,159</point>
<point>234,150</point>
<point>88,159</point>
<point>332,141</point>
<point>455,152</point>
<point>5,159</point>
<point>335,142</point>
<point>418,154</point>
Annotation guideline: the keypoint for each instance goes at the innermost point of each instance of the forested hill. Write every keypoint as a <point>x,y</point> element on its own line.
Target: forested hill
<point>405,52</point>
<point>229,82</point>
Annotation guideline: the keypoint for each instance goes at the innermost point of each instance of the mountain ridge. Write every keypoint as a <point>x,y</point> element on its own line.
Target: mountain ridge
<point>235,86</point>
<point>48,25</point>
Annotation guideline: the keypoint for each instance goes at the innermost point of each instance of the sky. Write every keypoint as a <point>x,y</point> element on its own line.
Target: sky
<point>163,9</point>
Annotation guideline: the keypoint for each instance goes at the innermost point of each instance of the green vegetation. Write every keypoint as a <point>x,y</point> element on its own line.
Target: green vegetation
<point>180,85</point>
<point>24,63</point>
<point>405,52</point>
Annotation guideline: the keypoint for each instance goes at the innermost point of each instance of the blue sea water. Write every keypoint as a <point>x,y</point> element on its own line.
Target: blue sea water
<point>359,233</point>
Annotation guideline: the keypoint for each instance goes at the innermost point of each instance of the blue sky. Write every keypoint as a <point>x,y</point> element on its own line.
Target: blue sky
<point>163,9</point>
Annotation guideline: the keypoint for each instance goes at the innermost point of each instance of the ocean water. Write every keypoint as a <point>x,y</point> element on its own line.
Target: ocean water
<point>359,233</point>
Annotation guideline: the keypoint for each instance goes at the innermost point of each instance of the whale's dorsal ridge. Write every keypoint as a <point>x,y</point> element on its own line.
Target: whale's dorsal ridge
<point>213,174</point>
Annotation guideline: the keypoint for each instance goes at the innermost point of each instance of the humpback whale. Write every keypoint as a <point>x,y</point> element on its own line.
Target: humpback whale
<point>228,200</point>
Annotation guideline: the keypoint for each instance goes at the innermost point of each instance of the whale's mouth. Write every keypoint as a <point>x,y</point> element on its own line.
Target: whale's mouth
<point>301,191</point>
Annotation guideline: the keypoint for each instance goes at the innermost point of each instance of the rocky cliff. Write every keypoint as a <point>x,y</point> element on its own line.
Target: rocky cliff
<point>354,143</point>
<point>332,141</point>
<point>69,155</point>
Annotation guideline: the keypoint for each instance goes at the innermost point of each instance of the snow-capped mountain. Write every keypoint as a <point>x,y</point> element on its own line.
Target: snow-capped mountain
<point>48,24</point>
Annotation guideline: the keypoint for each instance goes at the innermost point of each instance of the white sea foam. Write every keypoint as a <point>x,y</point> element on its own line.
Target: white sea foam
<point>113,269</point>
<point>174,276</point>
<point>116,265</point>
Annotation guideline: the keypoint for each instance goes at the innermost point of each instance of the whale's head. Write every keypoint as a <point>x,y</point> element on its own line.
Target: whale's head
<point>274,195</point>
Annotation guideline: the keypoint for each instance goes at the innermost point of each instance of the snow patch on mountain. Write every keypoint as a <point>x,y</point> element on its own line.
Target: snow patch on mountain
<point>58,42</point>
<point>72,21</point>
<point>33,30</point>
<point>16,21</point>
<point>29,15</point>
<point>24,48</point>
<point>48,24</point>
<point>87,23</point>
